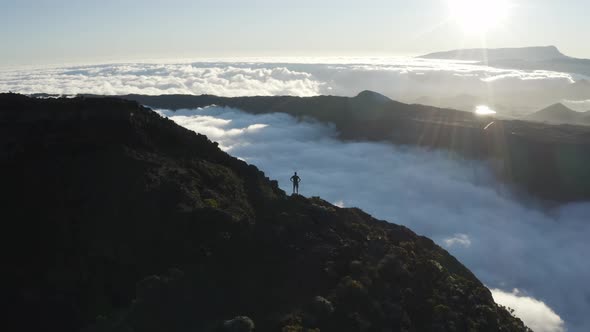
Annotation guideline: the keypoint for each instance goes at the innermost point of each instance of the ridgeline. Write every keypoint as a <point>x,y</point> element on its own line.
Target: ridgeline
<point>116,219</point>
<point>547,161</point>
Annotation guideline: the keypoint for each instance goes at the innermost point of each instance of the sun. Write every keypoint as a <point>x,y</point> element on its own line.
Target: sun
<point>479,16</point>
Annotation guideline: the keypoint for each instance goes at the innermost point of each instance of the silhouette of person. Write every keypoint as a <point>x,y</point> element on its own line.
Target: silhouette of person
<point>295,179</point>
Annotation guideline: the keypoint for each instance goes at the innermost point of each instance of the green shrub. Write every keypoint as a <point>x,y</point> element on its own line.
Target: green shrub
<point>211,202</point>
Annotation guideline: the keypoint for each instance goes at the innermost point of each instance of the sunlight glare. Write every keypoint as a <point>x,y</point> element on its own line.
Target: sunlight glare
<point>484,110</point>
<point>479,16</point>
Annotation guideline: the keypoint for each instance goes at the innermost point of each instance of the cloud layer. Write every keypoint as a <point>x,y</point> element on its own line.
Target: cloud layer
<point>507,244</point>
<point>578,105</point>
<point>538,315</point>
<point>156,79</point>
<point>461,85</point>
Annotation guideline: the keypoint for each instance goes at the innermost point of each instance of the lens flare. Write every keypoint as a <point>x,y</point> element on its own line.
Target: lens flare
<point>484,110</point>
<point>479,16</point>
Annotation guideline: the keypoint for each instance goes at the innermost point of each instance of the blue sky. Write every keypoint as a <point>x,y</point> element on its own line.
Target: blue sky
<point>37,32</point>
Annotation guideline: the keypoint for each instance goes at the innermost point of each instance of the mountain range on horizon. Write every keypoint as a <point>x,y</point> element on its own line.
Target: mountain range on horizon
<point>533,53</point>
<point>526,58</point>
<point>516,92</point>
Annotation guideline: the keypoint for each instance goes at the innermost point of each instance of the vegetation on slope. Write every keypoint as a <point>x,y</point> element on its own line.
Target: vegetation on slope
<point>120,220</point>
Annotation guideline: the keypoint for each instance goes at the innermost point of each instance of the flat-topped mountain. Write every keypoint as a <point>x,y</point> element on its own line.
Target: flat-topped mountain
<point>121,220</point>
<point>549,162</point>
<point>528,58</point>
<point>539,53</point>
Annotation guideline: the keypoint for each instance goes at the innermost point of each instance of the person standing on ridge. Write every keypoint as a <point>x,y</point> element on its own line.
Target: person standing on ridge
<point>295,179</point>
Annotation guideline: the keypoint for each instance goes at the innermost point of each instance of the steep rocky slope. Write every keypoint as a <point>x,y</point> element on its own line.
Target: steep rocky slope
<point>119,220</point>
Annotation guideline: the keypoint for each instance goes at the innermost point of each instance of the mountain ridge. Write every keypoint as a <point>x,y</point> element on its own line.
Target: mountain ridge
<point>140,224</point>
<point>534,53</point>
<point>526,58</point>
<point>561,150</point>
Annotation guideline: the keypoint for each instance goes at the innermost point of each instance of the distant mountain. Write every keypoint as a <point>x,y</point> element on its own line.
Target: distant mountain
<point>117,219</point>
<point>372,97</point>
<point>541,53</point>
<point>522,152</point>
<point>560,114</point>
<point>527,58</point>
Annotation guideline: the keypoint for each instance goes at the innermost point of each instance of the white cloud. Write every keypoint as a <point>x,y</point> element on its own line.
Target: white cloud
<point>534,75</point>
<point>578,105</point>
<point>154,79</point>
<point>404,79</point>
<point>339,203</point>
<point>459,240</point>
<point>507,244</point>
<point>577,101</point>
<point>536,314</point>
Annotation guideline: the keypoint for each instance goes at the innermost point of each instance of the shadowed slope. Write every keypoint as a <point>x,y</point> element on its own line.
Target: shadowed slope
<point>119,212</point>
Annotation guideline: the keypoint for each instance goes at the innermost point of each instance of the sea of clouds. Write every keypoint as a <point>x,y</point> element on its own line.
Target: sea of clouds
<point>532,259</point>
<point>461,85</point>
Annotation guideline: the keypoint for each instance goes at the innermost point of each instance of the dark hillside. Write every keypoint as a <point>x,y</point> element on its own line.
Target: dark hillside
<point>116,219</point>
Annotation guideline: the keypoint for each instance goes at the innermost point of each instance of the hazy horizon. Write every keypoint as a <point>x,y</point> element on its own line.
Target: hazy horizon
<point>450,84</point>
<point>65,31</point>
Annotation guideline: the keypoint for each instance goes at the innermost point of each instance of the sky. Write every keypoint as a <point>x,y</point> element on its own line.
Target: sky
<point>67,31</point>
